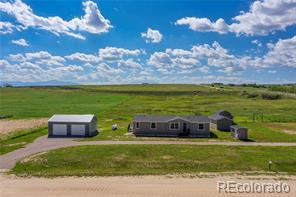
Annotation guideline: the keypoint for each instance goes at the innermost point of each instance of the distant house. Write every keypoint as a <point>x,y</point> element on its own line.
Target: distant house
<point>239,132</point>
<point>171,126</point>
<point>221,120</point>
<point>72,126</point>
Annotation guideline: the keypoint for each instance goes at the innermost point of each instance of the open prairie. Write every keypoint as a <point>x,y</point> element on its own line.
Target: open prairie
<point>268,120</point>
<point>117,104</point>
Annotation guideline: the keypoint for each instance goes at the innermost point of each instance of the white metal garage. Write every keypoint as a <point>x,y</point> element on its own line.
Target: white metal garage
<point>72,125</point>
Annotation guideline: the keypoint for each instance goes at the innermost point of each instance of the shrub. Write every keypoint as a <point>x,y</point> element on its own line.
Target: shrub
<point>252,95</point>
<point>271,96</point>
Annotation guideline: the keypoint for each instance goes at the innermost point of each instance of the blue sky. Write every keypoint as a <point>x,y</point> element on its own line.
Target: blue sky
<point>114,42</point>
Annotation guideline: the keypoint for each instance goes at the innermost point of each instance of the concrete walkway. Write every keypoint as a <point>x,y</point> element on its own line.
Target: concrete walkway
<point>43,143</point>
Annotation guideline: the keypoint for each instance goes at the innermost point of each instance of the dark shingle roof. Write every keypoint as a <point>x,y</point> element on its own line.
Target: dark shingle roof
<point>158,118</point>
<point>237,127</point>
<point>225,113</point>
<point>219,117</point>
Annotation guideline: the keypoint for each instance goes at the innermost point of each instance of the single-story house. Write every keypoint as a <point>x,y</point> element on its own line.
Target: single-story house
<point>221,120</point>
<point>72,125</point>
<point>171,126</point>
<point>239,132</point>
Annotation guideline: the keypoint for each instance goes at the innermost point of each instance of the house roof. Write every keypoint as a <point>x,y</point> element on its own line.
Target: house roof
<point>225,113</point>
<point>219,117</point>
<point>71,118</point>
<point>158,118</point>
<point>237,127</point>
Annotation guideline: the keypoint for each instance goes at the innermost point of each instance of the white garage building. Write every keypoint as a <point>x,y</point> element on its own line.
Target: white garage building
<point>72,125</point>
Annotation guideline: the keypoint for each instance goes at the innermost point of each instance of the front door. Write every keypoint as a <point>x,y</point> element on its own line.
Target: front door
<point>184,126</point>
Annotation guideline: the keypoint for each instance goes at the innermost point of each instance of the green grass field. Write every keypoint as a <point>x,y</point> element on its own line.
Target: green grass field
<point>117,104</point>
<point>19,139</point>
<point>110,160</point>
<point>114,104</point>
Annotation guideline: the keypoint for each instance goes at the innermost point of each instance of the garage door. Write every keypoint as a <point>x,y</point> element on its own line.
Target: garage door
<point>78,129</point>
<point>59,129</point>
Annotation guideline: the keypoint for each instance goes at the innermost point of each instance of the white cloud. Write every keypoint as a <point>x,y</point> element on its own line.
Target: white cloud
<point>204,24</point>
<point>112,64</point>
<point>6,27</point>
<point>82,57</point>
<point>92,21</point>
<point>129,63</point>
<point>200,58</point>
<point>257,42</point>
<point>264,17</point>
<point>153,36</point>
<point>39,58</point>
<point>113,53</point>
<point>282,53</point>
<point>21,42</point>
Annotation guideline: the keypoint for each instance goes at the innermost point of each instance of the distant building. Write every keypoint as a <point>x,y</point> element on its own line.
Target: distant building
<point>221,120</point>
<point>72,126</point>
<point>239,132</point>
<point>171,126</point>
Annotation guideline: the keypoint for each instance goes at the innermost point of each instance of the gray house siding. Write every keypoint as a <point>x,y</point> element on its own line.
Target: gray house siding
<point>221,124</point>
<point>239,132</point>
<point>164,129</point>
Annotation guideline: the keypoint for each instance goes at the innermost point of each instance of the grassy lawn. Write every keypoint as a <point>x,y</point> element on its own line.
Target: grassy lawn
<point>19,139</point>
<point>109,160</point>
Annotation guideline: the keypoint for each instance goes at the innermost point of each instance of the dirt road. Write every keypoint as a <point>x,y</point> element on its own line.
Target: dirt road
<point>125,186</point>
<point>7,126</point>
<point>43,143</point>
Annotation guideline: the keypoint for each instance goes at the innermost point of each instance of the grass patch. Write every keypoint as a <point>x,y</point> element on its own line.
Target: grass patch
<point>110,160</point>
<point>19,139</point>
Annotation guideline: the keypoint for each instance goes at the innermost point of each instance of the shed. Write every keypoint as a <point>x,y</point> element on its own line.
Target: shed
<point>72,125</point>
<point>221,120</point>
<point>239,132</point>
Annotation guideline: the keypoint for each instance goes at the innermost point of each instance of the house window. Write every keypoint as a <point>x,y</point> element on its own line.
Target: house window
<point>153,125</point>
<point>200,126</point>
<point>174,125</point>
<point>137,125</point>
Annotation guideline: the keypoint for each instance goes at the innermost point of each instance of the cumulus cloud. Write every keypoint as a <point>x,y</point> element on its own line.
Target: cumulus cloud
<point>112,64</point>
<point>205,57</point>
<point>92,22</point>
<point>153,36</point>
<point>204,24</point>
<point>21,42</point>
<point>39,58</point>
<point>6,27</point>
<point>114,53</point>
<point>82,57</point>
<point>264,17</point>
<point>105,65</point>
<point>282,53</point>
